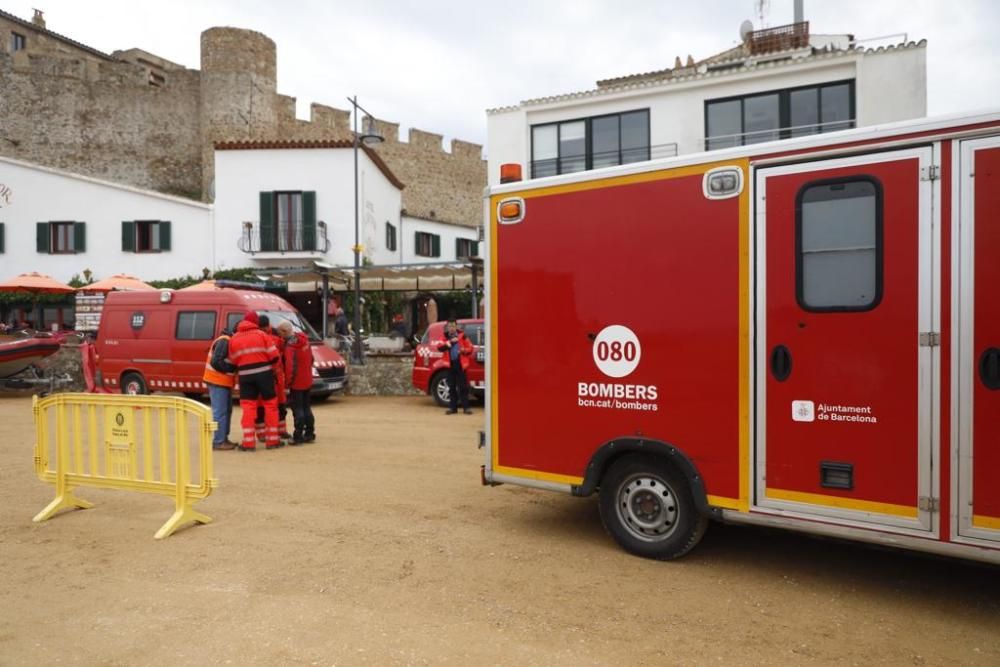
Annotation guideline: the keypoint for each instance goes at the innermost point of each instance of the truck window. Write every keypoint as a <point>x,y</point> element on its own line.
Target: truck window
<point>839,244</point>
<point>196,325</point>
<point>474,332</point>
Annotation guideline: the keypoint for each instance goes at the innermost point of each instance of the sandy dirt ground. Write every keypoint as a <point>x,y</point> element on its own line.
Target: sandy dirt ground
<point>378,545</point>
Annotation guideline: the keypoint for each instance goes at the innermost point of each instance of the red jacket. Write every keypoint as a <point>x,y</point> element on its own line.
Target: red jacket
<point>298,362</point>
<point>465,348</point>
<point>279,373</point>
<point>251,350</point>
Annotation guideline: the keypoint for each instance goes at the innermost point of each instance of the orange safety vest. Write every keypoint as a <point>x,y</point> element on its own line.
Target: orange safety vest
<point>213,376</point>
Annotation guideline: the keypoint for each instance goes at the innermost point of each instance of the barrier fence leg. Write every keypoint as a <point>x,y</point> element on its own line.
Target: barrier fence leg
<point>183,512</point>
<point>64,494</point>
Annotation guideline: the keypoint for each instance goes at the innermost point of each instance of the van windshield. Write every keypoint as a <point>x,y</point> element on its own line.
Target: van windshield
<point>299,323</point>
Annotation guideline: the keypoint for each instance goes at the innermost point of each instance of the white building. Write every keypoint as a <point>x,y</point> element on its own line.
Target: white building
<point>63,224</point>
<point>286,204</point>
<point>780,82</point>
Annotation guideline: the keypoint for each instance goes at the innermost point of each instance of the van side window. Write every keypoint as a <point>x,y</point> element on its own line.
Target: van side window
<point>196,325</point>
<point>838,242</point>
<point>474,332</point>
<point>232,319</point>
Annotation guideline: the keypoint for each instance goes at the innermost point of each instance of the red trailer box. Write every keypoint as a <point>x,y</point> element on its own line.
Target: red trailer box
<point>430,365</point>
<point>800,334</point>
<point>159,341</point>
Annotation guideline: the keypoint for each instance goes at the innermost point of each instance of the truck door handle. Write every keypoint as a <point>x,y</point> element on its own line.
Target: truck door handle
<point>781,363</point>
<point>989,368</point>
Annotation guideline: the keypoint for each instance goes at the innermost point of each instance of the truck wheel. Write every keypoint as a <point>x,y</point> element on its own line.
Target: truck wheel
<point>647,507</point>
<point>439,389</point>
<point>133,383</point>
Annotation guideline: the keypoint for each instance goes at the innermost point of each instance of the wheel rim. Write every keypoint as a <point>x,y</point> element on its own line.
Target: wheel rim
<point>442,391</point>
<point>647,507</point>
<point>132,387</point>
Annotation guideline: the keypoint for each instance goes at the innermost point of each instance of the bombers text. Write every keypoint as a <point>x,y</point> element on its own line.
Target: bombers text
<point>639,392</point>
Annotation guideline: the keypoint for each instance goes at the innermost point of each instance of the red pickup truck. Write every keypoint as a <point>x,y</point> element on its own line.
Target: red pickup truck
<point>430,366</point>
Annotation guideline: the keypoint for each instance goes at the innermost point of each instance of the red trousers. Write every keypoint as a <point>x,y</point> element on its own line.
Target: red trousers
<point>249,407</point>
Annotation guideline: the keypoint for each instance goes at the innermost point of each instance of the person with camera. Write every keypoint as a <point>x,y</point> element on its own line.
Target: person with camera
<point>458,350</point>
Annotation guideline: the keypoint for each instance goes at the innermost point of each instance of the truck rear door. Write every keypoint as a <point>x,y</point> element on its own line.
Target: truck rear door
<point>843,314</point>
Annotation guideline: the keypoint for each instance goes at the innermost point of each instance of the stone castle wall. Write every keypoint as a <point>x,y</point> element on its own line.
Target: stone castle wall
<point>139,120</point>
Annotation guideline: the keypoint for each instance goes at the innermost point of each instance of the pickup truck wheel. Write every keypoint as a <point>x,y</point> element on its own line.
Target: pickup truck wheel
<point>647,506</point>
<point>134,384</point>
<point>439,389</point>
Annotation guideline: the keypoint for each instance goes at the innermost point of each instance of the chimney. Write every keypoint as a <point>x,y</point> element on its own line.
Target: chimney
<point>39,18</point>
<point>799,11</point>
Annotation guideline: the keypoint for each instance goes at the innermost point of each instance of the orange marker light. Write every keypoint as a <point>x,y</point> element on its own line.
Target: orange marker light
<point>510,210</point>
<point>510,172</point>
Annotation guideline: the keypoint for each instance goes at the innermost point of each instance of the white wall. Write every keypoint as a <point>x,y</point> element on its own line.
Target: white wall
<point>448,233</point>
<point>38,194</point>
<point>890,85</point>
<point>241,175</point>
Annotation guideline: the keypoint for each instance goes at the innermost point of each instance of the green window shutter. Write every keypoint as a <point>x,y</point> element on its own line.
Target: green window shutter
<point>416,243</point>
<point>128,236</point>
<point>1,237</point>
<point>475,249</point>
<point>267,240</point>
<point>79,237</point>
<point>435,245</point>
<point>165,235</point>
<point>458,248</point>
<point>43,237</point>
<point>308,220</point>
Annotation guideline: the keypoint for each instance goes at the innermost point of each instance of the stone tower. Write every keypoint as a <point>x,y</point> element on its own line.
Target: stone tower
<point>238,90</point>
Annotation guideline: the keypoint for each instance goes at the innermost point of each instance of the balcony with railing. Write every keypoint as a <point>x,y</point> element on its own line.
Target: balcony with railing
<point>779,38</point>
<point>284,239</point>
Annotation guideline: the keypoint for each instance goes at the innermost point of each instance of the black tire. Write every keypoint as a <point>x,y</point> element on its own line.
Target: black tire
<point>438,389</point>
<point>134,383</point>
<point>194,395</point>
<point>647,506</point>
<point>320,397</point>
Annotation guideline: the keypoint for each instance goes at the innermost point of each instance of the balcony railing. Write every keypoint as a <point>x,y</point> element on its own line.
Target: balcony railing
<point>760,136</point>
<point>284,238</point>
<point>779,38</point>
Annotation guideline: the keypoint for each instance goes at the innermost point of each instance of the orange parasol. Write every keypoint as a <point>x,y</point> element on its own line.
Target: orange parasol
<point>35,283</point>
<point>203,285</point>
<point>119,281</point>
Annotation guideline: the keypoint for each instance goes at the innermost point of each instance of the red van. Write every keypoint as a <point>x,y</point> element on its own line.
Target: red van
<point>158,341</point>
<point>430,366</point>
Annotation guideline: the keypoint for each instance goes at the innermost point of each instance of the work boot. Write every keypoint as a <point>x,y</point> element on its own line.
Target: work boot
<point>247,449</point>
<point>224,446</point>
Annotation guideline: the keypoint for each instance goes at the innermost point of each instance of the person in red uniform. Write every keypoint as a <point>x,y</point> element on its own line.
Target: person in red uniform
<point>458,350</point>
<point>298,378</point>
<point>254,355</point>
<point>279,385</point>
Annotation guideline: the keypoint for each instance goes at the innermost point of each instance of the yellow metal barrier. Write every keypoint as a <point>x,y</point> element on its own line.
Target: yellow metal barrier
<point>146,444</point>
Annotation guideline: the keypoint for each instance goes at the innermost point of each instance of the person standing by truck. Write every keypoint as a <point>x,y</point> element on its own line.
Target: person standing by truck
<point>459,350</point>
<point>220,377</point>
<point>298,379</point>
<point>264,322</point>
<point>254,355</point>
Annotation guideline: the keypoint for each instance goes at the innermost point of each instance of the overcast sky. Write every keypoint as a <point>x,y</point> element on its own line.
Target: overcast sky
<point>439,65</point>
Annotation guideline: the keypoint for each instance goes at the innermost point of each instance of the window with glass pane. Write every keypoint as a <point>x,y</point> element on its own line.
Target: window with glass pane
<point>289,215</point>
<point>544,151</point>
<point>761,114</point>
<point>605,145</point>
<point>725,124</point>
<point>196,325</point>
<point>803,110</point>
<point>839,243</point>
<point>835,107</point>
<point>635,136</point>
<point>62,237</point>
<point>572,147</point>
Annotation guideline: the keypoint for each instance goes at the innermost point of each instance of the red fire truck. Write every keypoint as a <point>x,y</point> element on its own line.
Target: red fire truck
<point>802,334</point>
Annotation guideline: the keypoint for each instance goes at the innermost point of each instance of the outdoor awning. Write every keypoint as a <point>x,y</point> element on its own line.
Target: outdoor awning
<point>416,277</point>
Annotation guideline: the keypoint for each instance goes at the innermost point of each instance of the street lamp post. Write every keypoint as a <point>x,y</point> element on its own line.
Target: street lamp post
<point>369,137</point>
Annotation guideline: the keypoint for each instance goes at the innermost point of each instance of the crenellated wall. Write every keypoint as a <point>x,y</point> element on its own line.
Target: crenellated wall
<point>135,118</point>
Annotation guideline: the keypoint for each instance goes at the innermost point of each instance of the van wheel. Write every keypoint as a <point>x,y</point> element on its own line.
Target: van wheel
<point>133,383</point>
<point>439,389</point>
<point>647,507</point>
<point>193,395</point>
